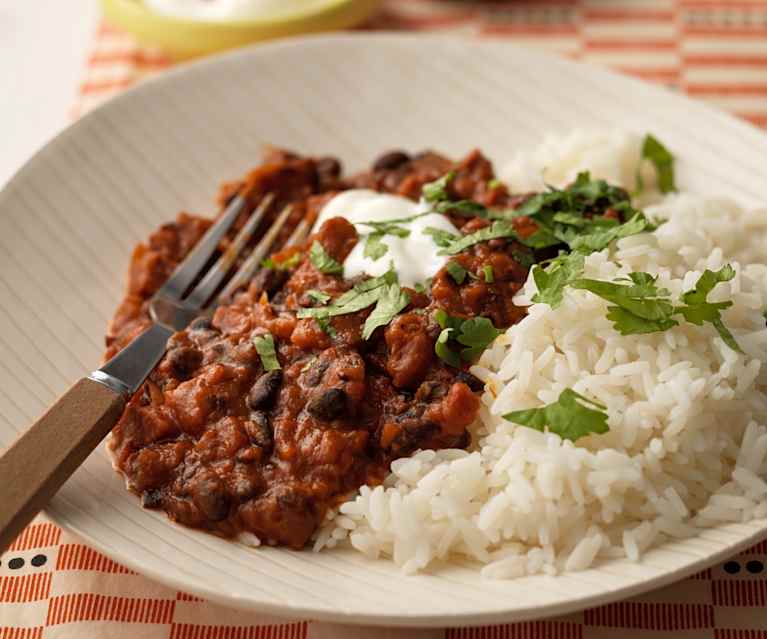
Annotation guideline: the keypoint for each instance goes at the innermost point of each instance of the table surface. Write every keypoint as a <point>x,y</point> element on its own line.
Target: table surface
<point>35,101</point>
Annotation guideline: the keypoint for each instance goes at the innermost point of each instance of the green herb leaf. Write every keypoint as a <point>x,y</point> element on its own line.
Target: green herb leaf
<point>265,348</point>
<point>663,161</point>
<point>318,296</point>
<point>640,307</point>
<point>374,247</point>
<point>697,310</point>
<point>424,287</point>
<point>487,271</point>
<point>392,227</point>
<point>391,302</point>
<point>441,238</point>
<point>437,190</point>
<point>494,183</point>
<point>571,417</point>
<point>476,334</point>
<point>552,280</point>
<point>363,294</point>
<point>456,271</point>
<point>326,326</point>
<point>293,260</point>
<point>498,229</point>
<point>322,261</point>
<point>443,350</point>
<point>463,208</point>
<point>599,237</point>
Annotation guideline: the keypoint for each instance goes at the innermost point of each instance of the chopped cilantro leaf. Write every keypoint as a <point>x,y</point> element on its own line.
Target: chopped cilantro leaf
<point>498,229</point>
<point>475,334</point>
<point>443,350</point>
<point>663,162</point>
<point>318,296</point>
<point>487,271</point>
<point>640,307</point>
<point>391,301</point>
<point>374,246</point>
<point>265,348</point>
<point>326,326</point>
<point>437,190</point>
<point>322,261</point>
<point>456,271</point>
<point>441,238</point>
<point>382,291</point>
<point>571,417</point>
<point>698,310</point>
<point>463,208</point>
<point>552,280</point>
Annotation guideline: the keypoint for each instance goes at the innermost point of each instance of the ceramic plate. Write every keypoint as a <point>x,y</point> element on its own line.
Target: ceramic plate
<point>71,216</point>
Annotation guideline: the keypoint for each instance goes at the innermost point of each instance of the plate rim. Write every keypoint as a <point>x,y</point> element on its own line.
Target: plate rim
<point>291,610</point>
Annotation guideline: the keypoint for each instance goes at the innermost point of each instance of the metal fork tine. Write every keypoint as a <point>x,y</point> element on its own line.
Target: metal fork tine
<point>213,278</point>
<point>252,263</point>
<point>188,270</point>
<point>299,234</point>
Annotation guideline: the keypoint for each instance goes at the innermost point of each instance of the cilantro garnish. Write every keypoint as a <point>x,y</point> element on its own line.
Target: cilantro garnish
<point>293,260</point>
<point>571,417</point>
<point>322,261</point>
<point>663,162</point>
<point>383,291</point>
<point>697,310</point>
<point>374,247</point>
<point>423,287</point>
<point>435,193</point>
<point>640,307</point>
<point>265,348</point>
<point>552,280</point>
<point>326,326</point>
<point>475,334</point>
<point>441,238</point>
<point>498,229</point>
<point>456,271</point>
<point>391,301</point>
<point>318,296</point>
<point>487,271</point>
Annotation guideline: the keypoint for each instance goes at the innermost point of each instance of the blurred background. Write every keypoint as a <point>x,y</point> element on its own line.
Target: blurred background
<point>61,58</point>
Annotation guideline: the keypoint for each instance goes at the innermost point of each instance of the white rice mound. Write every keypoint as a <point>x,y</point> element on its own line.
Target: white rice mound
<point>687,446</point>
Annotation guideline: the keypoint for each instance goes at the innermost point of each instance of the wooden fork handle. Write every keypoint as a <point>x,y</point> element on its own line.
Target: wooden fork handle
<point>42,459</point>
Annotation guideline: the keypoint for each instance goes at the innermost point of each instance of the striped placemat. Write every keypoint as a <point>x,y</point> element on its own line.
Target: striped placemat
<point>53,586</point>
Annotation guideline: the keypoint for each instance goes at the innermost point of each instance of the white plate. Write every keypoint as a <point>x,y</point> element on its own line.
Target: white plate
<point>72,215</point>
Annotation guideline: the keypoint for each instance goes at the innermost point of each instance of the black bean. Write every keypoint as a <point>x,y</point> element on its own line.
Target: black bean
<point>265,390</point>
<point>258,429</point>
<point>328,405</point>
<point>151,499</point>
<point>474,383</point>
<point>184,361</point>
<point>391,160</point>
<point>316,371</point>
<point>269,280</point>
<point>430,391</point>
<point>328,168</point>
<point>209,495</point>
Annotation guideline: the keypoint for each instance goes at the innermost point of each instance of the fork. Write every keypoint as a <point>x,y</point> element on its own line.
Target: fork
<point>39,462</point>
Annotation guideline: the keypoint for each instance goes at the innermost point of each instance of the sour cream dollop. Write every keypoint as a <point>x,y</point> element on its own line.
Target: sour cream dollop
<point>231,9</point>
<point>415,257</point>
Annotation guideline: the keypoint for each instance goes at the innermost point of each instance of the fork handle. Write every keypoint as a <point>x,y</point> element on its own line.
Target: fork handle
<point>42,459</point>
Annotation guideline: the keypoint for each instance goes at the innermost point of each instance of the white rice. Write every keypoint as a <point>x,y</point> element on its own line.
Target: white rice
<point>687,446</point>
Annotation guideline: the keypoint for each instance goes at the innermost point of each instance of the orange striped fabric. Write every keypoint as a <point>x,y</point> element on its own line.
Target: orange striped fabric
<point>715,50</point>
<point>79,557</point>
